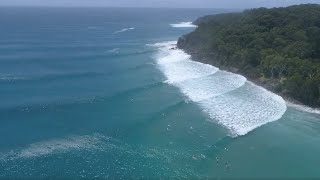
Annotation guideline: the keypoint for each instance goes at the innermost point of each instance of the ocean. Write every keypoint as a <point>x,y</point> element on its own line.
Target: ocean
<point>105,93</point>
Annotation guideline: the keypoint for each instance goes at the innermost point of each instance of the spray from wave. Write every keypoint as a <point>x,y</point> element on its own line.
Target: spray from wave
<point>229,99</point>
<point>183,25</point>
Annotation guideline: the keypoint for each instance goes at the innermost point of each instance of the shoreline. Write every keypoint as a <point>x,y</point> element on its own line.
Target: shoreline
<point>247,106</point>
<point>289,101</point>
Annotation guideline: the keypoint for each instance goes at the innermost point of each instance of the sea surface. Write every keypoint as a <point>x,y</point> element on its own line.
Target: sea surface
<point>105,93</point>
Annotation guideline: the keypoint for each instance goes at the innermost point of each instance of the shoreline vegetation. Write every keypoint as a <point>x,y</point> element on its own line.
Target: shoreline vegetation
<point>277,48</point>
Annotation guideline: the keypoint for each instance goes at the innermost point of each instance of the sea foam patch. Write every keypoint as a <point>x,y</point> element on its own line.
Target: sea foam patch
<point>245,109</point>
<point>183,25</point>
<point>8,77</point>
<point>115,50</point>
<point>54,146</point>
<point>229,99</point>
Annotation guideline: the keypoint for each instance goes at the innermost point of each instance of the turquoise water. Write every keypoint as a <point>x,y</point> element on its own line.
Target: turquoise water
<point>91,93</point>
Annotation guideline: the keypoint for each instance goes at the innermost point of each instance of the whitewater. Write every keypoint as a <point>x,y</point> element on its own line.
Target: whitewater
<point>228,99</point>
<point>188,24</point>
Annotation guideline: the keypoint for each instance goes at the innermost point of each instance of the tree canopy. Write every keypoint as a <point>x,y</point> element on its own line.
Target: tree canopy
<point>280,45</point>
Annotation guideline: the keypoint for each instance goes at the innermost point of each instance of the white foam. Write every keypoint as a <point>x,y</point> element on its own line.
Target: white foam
<point>304,108</point>
<point>124,30</point>
<point>245,109</point>
<point>166,57</point>
<point>115,50</point>
<point>177,65</point>
<point>53,146</point>
<point>166,44</point>
<point>184,70</point>
<point>210,86</point>
<point>7,77</point>
<point>183,25</point>
<point>227,98</point>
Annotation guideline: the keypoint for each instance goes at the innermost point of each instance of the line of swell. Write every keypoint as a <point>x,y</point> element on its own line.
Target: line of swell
<point>72,57</point>
<point>155,116</point>
<point>49,77</point>
<point>88,100</point>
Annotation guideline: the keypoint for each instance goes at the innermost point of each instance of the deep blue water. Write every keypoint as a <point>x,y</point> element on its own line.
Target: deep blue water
<point>83,94</point>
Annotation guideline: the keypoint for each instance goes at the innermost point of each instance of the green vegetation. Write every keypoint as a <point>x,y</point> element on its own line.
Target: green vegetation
<point>278,47</point>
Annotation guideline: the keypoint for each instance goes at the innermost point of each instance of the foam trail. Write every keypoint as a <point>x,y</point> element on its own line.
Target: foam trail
<point>304,108</point>
<point>53,146</point>
<point>183,25</point>
<point>124,30</point>
<point>229,99</point>
<point>7,77</point>
<point>115,50</point>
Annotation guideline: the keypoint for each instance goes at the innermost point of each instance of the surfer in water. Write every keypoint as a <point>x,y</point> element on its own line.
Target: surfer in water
<point>217,160</point>
<point>227,166</point>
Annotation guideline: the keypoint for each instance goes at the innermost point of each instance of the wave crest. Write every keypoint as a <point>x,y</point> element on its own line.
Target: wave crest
<point>183,25</point>
<point>124,30</point>
<point>304,108</point>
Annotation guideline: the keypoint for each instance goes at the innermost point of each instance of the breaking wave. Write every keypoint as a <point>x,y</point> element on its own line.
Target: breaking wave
<point>304,108</point>
<point>184,25</point>
<point>229,99</point>
<point>124,30</point>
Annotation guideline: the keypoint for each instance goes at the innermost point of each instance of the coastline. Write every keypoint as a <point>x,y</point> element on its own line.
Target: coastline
<point>226,98</point>
<point>268,86</point>
<point>279,53</point>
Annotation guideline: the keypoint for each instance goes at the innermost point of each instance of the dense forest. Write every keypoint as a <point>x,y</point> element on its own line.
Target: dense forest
<point>278,48</point>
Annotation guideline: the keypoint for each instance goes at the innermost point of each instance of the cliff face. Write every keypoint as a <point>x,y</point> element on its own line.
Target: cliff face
<point>276,48</point>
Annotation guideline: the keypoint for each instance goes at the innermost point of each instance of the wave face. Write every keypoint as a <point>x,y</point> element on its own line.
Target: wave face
<point>184,25</point>
<point>229,99</point>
